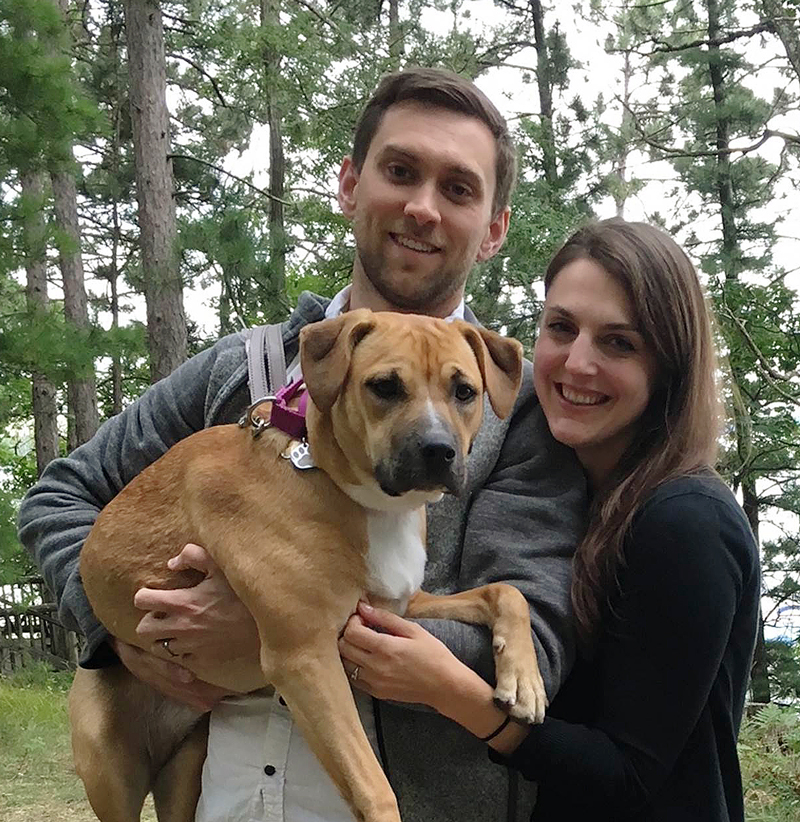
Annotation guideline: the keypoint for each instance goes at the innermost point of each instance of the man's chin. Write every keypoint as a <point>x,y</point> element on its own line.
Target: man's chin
<point>410,299</point>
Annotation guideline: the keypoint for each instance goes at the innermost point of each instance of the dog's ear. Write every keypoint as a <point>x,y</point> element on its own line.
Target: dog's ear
<point>500,361</point>
<point>325,351</point>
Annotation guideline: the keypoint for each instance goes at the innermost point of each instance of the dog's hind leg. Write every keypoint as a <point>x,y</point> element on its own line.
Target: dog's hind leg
<point>177,786</point>
<point>107,758</point>
<point>502,608</point>
<point>314,685</point>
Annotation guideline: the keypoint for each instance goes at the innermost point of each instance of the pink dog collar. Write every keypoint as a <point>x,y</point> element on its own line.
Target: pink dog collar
<point>290,420</point>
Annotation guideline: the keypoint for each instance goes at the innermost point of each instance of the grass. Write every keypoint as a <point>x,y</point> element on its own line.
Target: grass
<point>38,784</point>
<point>37,780</point>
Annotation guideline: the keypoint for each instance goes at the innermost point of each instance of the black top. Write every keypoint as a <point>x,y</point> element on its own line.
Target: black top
<point>647,729</point>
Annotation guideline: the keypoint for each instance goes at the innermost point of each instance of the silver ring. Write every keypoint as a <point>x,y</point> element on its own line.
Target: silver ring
<point>354,673</point>
<point>165,645</point>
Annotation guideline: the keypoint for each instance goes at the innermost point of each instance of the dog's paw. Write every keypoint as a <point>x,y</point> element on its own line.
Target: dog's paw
<point>520,689</point>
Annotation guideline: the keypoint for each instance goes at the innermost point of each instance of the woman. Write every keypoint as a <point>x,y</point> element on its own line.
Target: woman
<point>666,581</point>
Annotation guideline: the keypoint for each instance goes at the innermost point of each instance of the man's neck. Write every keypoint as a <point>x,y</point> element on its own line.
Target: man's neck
<point>364,295</point>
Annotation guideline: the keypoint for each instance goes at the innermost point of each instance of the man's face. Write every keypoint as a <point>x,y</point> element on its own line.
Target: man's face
<point>422,208</point>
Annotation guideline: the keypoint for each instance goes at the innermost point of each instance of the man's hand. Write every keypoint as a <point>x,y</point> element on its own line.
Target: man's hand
<point>169,678</point>
<point>206,622</point>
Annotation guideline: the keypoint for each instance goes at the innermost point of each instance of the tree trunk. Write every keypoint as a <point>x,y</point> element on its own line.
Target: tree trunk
<point>166,322</point>
<point>623,150</point>
<point>81,387</point>
<point>730,246</point>
<point>731,261</point>
<point>786,28</point>
<point>759,678</point>
<point>545,85</point>
<point>395,35</point>
<point>82,418</point>
<point>270,18</point>
<point>116,231</point>
<point>45,409</point>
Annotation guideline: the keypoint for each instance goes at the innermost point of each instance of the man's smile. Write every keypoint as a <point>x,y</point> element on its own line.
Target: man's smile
<point>414,245</point>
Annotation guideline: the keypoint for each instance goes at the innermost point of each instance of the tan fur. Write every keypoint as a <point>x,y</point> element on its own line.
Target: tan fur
<point>293,546</point>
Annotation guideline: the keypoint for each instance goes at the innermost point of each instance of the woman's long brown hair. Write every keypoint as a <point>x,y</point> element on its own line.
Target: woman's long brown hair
<point>677,433</point>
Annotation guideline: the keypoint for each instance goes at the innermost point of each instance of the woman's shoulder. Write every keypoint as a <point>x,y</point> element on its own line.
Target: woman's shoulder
<point>701,488</point>
<point>699,509</point>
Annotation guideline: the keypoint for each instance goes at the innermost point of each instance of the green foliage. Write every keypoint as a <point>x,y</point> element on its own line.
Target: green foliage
<point>40,110</point>
<point>769,751</point>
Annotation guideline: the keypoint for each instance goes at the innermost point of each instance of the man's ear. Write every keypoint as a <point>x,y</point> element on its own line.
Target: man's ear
<point>348,181</point>
<point>495,236</point>
<point>325,351</point>
<point>500,361</point>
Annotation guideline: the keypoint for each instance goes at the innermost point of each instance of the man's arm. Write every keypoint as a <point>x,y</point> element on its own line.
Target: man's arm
<point>523,527</point>
<point>58,512</point>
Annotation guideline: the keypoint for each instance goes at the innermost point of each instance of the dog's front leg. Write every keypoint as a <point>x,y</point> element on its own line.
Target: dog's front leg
<point>502,608</point>
<point>314,685</point>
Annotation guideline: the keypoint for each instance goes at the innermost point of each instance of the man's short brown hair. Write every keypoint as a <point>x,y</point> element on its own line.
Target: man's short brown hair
<point>441,89</point>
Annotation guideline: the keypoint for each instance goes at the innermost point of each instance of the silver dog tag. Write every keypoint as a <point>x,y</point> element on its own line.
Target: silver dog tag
<point>299,454</point>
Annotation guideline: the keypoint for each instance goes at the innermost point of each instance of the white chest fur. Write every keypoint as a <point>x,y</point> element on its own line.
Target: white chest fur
<point>396,559</point>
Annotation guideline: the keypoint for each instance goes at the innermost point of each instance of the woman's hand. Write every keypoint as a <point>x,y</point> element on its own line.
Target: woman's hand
<point>403,662</point>
<point>406,663</point>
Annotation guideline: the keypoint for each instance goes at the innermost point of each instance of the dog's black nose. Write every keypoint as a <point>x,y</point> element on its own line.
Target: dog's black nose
<point>438,454</point>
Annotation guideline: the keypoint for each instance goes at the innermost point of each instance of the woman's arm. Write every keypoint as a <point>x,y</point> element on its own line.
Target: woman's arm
<point>399,660</point>
<point>691,560</point>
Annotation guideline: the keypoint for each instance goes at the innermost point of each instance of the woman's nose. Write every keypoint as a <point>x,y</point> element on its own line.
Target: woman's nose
<point>581,358</point>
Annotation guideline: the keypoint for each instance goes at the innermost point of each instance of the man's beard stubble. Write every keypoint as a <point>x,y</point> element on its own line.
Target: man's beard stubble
<point>437,287</point>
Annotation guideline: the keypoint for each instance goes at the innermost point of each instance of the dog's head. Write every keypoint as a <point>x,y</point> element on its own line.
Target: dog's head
<point>402,395</point>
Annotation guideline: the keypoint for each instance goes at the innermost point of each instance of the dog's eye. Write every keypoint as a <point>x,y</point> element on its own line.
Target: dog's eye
<point>387,388</point>
<point>465,392</point>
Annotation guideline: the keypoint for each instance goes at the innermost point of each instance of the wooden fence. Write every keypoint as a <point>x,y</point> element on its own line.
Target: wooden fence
<point>30,629</point>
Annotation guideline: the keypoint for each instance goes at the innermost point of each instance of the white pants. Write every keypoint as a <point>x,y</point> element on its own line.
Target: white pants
<point>259,767</point>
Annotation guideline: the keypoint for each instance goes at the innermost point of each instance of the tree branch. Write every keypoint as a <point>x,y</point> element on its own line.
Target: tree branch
<point>203,73</point>
<point>319,15</point>
<point>771,374</point>
<point>663,47</point>
<point>221,170</point>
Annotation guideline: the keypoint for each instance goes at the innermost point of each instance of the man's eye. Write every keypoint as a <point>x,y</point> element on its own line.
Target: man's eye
<point>459,191</point>
<point>387,388</point>
<point>465,392</point>
<point>399,172</point>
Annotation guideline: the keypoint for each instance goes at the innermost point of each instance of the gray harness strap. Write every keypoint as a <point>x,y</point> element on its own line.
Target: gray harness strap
<point>266,362</point>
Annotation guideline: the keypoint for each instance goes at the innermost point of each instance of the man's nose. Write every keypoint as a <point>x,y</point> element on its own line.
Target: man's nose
<point>581,358</point>
<point>421,205</point>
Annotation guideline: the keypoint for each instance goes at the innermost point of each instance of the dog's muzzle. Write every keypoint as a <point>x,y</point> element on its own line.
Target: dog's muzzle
<point>423,461</point>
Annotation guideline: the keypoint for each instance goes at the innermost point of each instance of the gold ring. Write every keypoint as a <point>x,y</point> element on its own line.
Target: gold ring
<point>165,645</point>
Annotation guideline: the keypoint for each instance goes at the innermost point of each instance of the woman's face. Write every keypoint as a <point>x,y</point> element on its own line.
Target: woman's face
<point>593,372</point>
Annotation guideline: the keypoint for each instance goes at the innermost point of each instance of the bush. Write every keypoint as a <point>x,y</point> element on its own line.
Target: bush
<point>769,750</point>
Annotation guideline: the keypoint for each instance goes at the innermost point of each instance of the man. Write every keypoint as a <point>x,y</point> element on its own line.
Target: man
<point>427,189</point>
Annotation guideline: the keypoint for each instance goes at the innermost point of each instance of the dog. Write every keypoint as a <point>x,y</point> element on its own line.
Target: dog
<point>394,404</point>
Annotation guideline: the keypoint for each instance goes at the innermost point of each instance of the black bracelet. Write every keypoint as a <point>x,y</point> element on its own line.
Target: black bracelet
<point>500,730</point>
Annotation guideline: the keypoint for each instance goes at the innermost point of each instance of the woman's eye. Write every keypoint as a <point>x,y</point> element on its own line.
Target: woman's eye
<point>621,345</point>
<point>559,327</point>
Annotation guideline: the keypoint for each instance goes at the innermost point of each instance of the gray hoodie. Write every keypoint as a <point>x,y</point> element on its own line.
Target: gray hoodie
<point>519,522</point>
